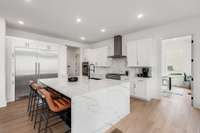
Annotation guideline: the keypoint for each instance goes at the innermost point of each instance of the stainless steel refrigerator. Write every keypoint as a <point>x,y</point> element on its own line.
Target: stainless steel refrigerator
<point>33,64</point>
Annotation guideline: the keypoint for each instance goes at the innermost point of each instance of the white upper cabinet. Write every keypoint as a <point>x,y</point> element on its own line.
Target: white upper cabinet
<point>19,43</point>
<point>85,54</point>
<point>97,56</point>
<point>42,45</point>
<point>92,56</point>
<point>132,53</point>
<point>144,52</point>
<point>102,56</point>
<point>139,53</point>
<point>25,43</point>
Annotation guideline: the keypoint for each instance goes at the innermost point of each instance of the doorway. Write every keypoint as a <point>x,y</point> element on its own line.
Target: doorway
<point>176,66</point>
<point>73,61</point>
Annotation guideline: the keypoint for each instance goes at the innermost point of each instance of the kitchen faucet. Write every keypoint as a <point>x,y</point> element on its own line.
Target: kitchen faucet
<point>91,68</point>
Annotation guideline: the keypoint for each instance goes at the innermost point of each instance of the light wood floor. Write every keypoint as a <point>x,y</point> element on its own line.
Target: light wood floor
<point>172,114</point>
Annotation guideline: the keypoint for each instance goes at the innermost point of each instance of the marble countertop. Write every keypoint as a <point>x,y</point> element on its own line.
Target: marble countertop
<point>83,86</point>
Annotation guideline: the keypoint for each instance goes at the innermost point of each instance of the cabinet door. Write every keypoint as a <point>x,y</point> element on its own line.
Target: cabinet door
<point>132,53</point>
<point>91,56</point>
<point>35,44</point>
<point>85,55</point>
<point>101,56</point>
<point>105,56</point>
<point>20,43</point>
<point>144,50</point>
<point>97,57</point>
<point>140,89</point>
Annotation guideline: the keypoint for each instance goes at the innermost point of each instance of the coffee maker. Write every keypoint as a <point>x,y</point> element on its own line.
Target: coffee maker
<point>145,72</point>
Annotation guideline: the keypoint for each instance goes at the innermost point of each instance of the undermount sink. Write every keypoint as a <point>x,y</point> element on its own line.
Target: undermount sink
<point>96,78</point>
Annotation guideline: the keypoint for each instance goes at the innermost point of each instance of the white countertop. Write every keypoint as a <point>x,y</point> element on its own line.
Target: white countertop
<point>83,86</point>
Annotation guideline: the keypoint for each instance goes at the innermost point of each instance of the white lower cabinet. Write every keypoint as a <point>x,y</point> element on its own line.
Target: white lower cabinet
<point>141,88</point>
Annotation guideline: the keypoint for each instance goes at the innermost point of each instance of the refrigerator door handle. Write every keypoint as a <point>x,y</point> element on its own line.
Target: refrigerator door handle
<point>36,76</point>
<point>38,70</point>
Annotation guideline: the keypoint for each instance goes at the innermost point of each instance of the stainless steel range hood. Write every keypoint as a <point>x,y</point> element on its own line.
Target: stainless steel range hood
<point>117,47</point>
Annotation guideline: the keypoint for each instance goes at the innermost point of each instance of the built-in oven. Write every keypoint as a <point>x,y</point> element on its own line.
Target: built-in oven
<point>85,68</point>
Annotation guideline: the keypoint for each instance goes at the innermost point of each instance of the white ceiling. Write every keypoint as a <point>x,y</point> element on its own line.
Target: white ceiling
<point>58,17</point>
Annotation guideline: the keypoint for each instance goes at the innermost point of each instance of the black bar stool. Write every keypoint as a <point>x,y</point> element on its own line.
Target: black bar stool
<point>33,95</point>
<point>53,106</point>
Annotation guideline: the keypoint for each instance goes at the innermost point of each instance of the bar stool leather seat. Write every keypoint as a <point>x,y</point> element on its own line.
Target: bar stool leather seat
<point>55,104</point>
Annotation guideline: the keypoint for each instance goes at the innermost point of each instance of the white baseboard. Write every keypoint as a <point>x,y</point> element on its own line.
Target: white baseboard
<point>3,104</point>
<point>10,100</point>
<point>196,105</point>
<point>144,99</point>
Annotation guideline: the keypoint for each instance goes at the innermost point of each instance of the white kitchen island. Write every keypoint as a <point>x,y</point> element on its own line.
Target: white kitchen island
<point>96,104</point>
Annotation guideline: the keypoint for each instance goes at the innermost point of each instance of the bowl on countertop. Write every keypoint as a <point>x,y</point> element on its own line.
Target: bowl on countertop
<point>73,79</point>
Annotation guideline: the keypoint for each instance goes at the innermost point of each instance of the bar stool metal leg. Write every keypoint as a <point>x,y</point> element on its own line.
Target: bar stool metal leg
<point>36,111</point>
<point>33,106</point>
<point>41,114</point>
<point>47,120</point>
<point>29,100</point>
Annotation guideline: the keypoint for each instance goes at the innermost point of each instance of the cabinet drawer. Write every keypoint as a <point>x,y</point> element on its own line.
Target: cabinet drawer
<point>141,88</point>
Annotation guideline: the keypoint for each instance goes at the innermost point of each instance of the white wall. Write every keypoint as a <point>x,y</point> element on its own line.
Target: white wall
<point>2,63</point>
<point>181,28</point>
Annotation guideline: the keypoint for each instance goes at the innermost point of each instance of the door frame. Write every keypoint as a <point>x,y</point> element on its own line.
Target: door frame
<point>192,57</point>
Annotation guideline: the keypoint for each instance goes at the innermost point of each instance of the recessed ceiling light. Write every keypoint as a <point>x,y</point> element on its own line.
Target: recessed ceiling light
<point>21,22</point>
<point>140,16</point>
<point>82,38</point>
<point>103,30</point>
<point>28,0</point>
<point>78,20</point>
